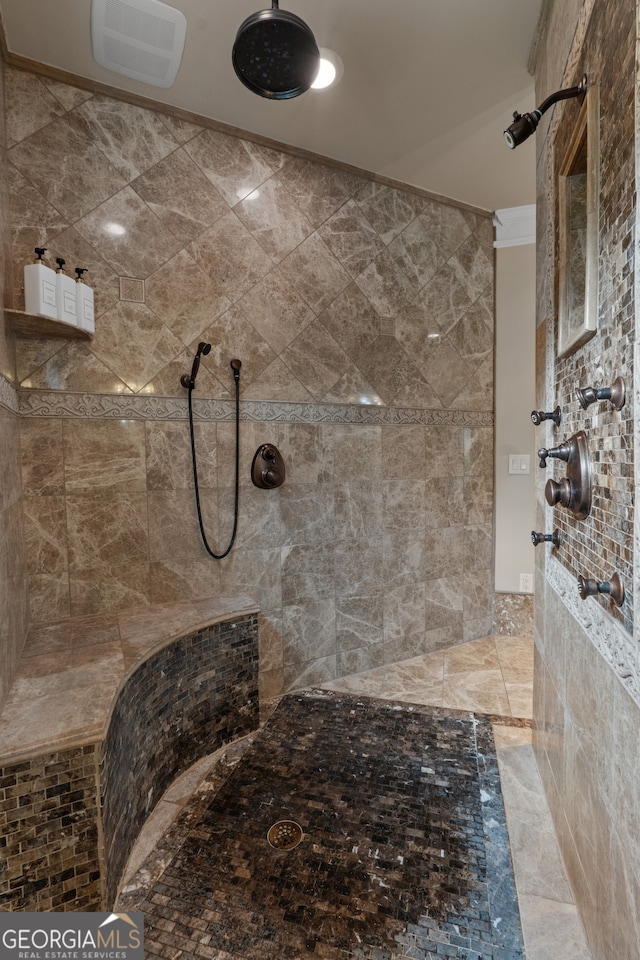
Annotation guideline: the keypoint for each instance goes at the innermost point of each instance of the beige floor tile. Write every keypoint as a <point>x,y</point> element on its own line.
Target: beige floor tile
<point>552,930</point>
<point>520,699</point>
<point>418,680</point>
<point>515,655</point>
<point>521,784</point>
<point>537,863</point>
<point>481,690</point>
<point>506,736</point>
<point>472,656</point>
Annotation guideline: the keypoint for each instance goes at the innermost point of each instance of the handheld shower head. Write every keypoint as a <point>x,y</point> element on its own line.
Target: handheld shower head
<point>189,380</point>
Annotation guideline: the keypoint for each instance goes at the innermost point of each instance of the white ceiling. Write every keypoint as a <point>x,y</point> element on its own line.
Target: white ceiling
<point>428,85</point>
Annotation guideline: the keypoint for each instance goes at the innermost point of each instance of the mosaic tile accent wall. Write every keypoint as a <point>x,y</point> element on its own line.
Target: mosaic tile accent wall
<point>337,293</point>
<point>587,673</point>
<point>49,857</point>
<point>14,603</point>
<point>603,543</point>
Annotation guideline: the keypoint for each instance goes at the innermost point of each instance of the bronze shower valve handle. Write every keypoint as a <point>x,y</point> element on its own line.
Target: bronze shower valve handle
<point>613,588</point>
<point>553,538</point>
<point>615,393</point>
<point>563,452</point>
<point>539,416</point>
<point>267,469</point>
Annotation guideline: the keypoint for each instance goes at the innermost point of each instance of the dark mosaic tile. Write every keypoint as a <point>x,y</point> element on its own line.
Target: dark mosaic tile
<point>404,854</point>
<point>196,693</point>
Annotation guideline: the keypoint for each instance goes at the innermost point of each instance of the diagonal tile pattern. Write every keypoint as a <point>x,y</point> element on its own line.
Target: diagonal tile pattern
<point>301,244</point>
<point>340,296</point>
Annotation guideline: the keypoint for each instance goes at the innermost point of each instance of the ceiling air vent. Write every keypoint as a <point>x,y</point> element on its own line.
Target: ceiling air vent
<point>142,39</point>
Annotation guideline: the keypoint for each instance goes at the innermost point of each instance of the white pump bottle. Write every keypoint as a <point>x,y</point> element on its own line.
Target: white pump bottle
<point>66,295</point>
<point>84,302</point>
<point>40,287</point>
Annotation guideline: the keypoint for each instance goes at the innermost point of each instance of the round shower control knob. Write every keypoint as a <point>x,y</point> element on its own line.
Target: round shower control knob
<point>555,492</point>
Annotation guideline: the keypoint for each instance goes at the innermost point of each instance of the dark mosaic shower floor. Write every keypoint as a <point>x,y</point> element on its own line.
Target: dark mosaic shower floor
<point>404,853</point>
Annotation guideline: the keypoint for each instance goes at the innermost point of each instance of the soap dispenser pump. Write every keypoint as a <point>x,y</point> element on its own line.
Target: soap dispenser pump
<point>40,287</point>
<point>84,302</point>
<point>65,295</point>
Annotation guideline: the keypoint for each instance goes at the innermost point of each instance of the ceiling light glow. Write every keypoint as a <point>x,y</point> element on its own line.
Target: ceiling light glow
<point>330,70</point>
<point>325,76</point>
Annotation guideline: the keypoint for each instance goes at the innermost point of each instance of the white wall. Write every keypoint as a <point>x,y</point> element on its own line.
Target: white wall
<point>514,401</point>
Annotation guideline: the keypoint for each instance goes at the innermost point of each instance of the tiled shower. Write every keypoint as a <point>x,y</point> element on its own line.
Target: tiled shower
<point>362,313</point>
<point>363,317</point>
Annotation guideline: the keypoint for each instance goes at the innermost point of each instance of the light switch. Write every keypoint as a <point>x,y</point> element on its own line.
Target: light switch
<point>519,463</point>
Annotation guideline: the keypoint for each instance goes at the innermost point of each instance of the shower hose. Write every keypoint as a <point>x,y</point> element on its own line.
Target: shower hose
<point>216,556</point>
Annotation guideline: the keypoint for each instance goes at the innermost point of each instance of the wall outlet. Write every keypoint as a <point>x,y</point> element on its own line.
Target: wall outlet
<point>526,583</point>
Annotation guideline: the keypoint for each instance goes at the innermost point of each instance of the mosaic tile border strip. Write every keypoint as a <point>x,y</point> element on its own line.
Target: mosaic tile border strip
<point>35,403</point>
<point>614,643</point>
<point>8,395</point>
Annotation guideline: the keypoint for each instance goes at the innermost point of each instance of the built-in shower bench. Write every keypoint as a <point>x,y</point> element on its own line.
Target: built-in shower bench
<point>104,713</point>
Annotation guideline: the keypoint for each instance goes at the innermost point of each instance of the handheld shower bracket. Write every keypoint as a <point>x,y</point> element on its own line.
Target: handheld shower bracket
<point>189,380</point>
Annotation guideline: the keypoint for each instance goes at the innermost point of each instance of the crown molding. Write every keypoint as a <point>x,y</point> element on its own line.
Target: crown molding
<point>515,226</point>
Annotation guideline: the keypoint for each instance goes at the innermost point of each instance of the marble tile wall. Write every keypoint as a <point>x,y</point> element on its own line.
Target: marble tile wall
<point>513,614</point>
<point>587,673</point>
<point>14,610</point>
<point>586,741</point>
<point>340,295</point>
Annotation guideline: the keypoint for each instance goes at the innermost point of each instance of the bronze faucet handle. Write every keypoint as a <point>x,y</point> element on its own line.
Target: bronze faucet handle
<point>538,416</point>
<point>553,538</point>
<point>615,393</point>
<point>613,588</point>
<point>563,452</point>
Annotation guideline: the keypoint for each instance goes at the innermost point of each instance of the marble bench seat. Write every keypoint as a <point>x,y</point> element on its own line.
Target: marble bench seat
<point>103,714</point>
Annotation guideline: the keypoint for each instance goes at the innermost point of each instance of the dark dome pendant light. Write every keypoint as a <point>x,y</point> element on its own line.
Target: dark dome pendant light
<point>275,54</point>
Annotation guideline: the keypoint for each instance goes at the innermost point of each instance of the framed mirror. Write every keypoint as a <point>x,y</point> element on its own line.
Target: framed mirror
<point>578,197</point>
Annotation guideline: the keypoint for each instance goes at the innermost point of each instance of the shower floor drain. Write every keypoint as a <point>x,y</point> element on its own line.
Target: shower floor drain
<point>285,834</point>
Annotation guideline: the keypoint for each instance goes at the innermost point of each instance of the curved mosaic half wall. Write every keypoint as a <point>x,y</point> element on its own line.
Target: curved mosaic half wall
<point>71,816</point>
